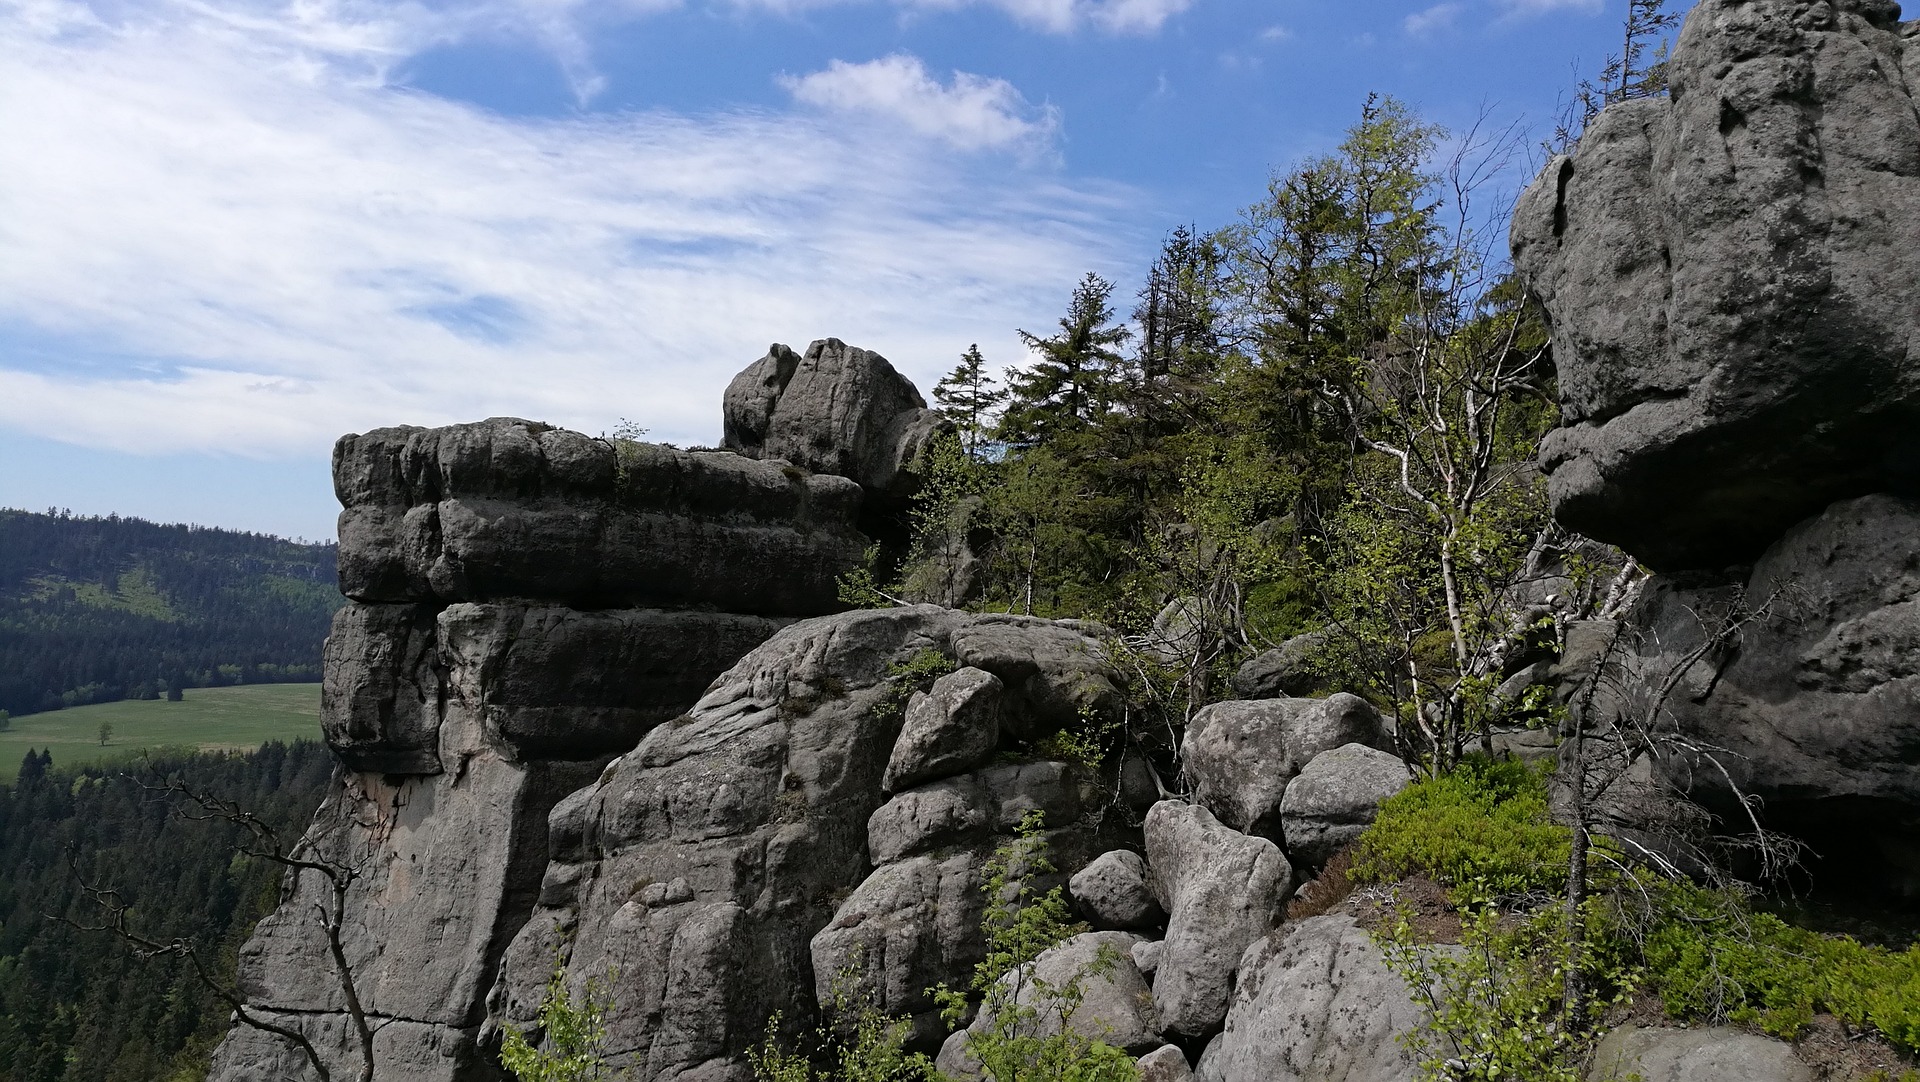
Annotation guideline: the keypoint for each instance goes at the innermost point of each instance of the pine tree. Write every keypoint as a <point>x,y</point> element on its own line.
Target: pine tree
<point>968,396</point>
<point>1078,374</point>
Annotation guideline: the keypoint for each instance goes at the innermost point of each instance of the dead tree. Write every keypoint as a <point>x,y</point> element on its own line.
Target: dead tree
<point>260,842</point>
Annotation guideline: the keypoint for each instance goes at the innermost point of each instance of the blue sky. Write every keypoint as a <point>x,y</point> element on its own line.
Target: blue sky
<point>231,230</point>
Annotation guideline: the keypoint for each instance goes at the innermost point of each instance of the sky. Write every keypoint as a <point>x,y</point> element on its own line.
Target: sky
<point>232,230</point>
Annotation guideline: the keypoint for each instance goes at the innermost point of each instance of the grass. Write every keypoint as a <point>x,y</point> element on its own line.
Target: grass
<point>210,719</point>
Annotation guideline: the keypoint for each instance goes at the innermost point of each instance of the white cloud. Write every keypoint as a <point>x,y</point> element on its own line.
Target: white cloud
<point>1546,7</point>
<point>232,235</point>
<point>1432,20</point>
<point>1052,16</point>
<point>1276,33</point>
<point>971,112</point>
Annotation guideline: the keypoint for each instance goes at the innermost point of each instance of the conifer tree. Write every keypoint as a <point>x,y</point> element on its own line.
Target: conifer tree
<point>1078,372</point>
<point>967,396</point>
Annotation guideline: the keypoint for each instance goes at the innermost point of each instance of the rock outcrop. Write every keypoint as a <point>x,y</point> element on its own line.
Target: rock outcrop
<point>1241,754</point>
<point>1731,275</point>
<point>1709,1054</point>
<point>838,409</point>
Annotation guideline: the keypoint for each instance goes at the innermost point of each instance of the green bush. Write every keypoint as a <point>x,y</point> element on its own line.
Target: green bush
<point>1709,956</point>
<point>572,1048</point>
<point>1483,831</point>
<point>857,1042</point>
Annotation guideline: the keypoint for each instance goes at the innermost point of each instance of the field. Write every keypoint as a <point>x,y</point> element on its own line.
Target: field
<point>210,719</point>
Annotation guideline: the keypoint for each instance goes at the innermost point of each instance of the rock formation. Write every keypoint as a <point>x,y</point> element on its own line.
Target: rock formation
<point>1730,272</point>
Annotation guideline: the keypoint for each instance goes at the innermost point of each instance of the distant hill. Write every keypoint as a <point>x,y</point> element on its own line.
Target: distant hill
<point>99,609</point>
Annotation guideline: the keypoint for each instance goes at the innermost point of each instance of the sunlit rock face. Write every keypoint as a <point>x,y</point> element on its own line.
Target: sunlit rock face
<point>1733,279</point>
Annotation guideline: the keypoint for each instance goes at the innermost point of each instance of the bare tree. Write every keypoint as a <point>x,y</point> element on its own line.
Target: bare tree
<point>259,842</point>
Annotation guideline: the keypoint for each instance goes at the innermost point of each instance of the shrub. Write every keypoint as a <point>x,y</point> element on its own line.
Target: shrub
<point>575,1033</point>
<point>1482,830</point>
<point>857,1042</point>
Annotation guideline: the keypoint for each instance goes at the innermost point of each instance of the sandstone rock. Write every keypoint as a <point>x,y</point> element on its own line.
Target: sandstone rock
<point>908,927</point>
<point>1055,672</point>
<point>1221,890</point>
<point>1146,956</point>
<point>1112,892</point>
<point>511,509</point>
<point>1818,708</point>
<point>954,727</point>
<point>963,810</point>
<point>1315,1002</point>
<point>1731,276</point>
<point>380,692</point>
<point>1337,797</point>
<point>1285,671</point>
<point>1115,1005</point>
<point>956,1061</point>
<point>1240,755</point>
<point>1164,1064</point>
<point>1711,1054</point>
<point>837,410</point>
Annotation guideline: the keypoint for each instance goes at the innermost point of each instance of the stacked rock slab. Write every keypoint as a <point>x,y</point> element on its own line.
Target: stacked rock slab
<point>745,855</point>
<point>1732,273</point>
<point>526,602</point>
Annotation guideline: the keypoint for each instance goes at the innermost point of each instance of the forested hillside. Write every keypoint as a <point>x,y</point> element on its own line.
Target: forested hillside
<point>77,1005</point>
<point>99,609</point>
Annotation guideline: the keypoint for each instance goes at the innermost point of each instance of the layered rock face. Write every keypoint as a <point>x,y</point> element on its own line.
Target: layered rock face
<point>1733,279</point>
<point>494,656</point>
<point>1731,274</point>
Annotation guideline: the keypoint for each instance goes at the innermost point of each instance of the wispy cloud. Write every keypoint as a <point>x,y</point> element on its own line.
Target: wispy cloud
<point>1432,20</point>
<point>971,112</point>
<point>1547,7</point>
<point>1051,16</point>
<point>233,235</point>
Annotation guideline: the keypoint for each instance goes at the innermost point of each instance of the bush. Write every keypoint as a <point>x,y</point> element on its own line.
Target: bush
<point>575,1033</point>
<point>1483,831</point>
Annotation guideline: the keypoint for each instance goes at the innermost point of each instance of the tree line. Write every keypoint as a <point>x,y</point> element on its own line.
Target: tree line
<point>101,609</point>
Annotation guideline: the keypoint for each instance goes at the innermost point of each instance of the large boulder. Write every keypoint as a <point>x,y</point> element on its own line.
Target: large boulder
<point>1315,1002</point>
<point>511,509</point>
<point>954,726</point>
<point>1816,708</point>
<point>1288,670</point>
<point>1221,890</point>
<point>1710,1054</point>
<point>837,410</point>
<point>1112,892</point>
<point>1336,798</point>
<point>1240,755</point>
<point>969,808</point>
<point>1732,273</point>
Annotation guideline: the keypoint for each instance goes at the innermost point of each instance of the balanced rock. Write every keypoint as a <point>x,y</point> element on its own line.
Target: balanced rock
<point>952,728</point>
<point>1241,755</point>
<point>1315,1002</point>
<point>836,410</point>
<point>1112,892</point>
<point>1732,273</point>
<point>1337,797</point>
<point>1221,890</point>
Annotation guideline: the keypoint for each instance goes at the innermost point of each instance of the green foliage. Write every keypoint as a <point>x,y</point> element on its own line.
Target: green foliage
<point>1483,831</point>
<point>857,1042</point>
<point>860,588</point>
<point>1496,1004</point>
<point>1709,956</point>
<point>1025,1033</point>
<point>77,1006</point>
<point>573,1035</point>
<point>917,673</point>
<point>97,610</point>
<point>968,396</point>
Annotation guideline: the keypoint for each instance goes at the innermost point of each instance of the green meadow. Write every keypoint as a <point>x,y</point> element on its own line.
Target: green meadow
<point>211,719</point>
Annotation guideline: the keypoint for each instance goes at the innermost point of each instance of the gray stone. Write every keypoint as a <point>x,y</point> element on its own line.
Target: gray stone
<point>1221,890</point>
<point>1315,1002</point>
<point>1337,797</point>
<point>964,810</point>
<point>1818,708</point>
<point>1164,1064</point>
<point>1112,892</point>
<point>1240,755</point>
<point>953,728</point>
<point>512,509</point>
<point>1710,1054</point>
<point>908,927</point>
<point>1056,673</point>
<point>957,1061</point>
<point>1286,671</point>
<point>1114,1005</point>
<point>380,690</point>
<point>837,410</point>
<point>1146,955</point>
<point>1731,274</point>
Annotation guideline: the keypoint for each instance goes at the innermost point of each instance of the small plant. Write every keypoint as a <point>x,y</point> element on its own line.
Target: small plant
<point>860,588</point>
<point>574,1035</point>
<point>1482,831</point>
<point>917,673</point>
<point>625,439</point>
<point>1028,1035</point>
<point>857,1042</point>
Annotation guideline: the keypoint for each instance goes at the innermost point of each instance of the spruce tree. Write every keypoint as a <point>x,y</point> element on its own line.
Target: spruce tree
<point>967,396</point>
<point>1079,371</point>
